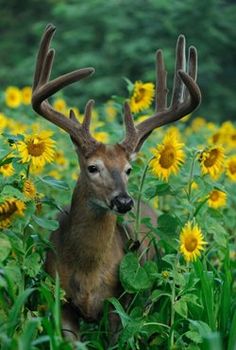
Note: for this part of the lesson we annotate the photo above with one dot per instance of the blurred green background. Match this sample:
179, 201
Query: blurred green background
119, 38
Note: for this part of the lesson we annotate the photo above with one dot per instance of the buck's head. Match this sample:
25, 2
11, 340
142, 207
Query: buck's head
105, 168
105, 173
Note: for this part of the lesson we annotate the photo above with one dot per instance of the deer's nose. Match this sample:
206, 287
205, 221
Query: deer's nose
122, 203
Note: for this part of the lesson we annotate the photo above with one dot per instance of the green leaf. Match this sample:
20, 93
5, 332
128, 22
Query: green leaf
32, 264
26, 338
219, 233
157, 294
163, 189
181, 308
167, 224
232, 333
132, 275
130, 85
124, 317
10, 191
6, 161
51, 225
127, 335
15, 311
158, 190
61, 185
194, 336
202, 327
13, 138
151, 268
5, 247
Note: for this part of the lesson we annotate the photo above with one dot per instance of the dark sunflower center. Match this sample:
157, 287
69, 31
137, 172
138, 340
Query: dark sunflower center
232, 168
211, 158
214, 196
7, 209
191, 244
12, 97
233, 137
36, 147
6, 166
216, 137
140, 95
167, 158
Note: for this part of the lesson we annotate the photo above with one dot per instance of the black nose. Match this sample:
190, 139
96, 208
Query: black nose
122, 203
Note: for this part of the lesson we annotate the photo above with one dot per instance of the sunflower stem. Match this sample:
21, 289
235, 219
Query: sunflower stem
138, 216
172, 315
191, 176
28, 171
6, 156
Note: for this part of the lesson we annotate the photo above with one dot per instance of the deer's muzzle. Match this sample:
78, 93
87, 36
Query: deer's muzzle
122, 203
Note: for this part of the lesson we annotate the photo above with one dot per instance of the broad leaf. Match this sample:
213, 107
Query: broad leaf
132, 275
45, 223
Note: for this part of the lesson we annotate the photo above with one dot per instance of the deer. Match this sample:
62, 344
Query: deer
89, 244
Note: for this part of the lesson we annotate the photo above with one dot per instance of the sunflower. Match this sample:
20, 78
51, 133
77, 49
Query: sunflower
55, 173
191, 241
167, 157
141, 118
212, 161
60, 158
231, 168
9, 209
26, 94
216, 138
7, 169
232, 140
194, 185
143, 94
60, 105
174, 132
198, 123
110, 111
217, 199
37, 149
3, 122
101, 136
16, 127
29, 189
13, 97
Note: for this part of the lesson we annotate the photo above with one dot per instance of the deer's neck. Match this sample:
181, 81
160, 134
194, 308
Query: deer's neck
91, 232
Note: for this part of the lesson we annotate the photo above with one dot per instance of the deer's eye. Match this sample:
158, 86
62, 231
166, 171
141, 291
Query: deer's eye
93, 169
128, 171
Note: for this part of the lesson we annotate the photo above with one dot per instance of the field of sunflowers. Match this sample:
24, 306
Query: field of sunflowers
183, 299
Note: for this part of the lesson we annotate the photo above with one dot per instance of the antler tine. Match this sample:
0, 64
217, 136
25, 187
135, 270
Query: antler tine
42, 53
186, 95
53, 86
43, 89
180, 65
47, 67
131, 133
193, 102
73, 117
192, 62
161, 88
88, 115
192, 67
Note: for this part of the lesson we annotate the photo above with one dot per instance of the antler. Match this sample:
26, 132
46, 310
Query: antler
186, 97
43, 89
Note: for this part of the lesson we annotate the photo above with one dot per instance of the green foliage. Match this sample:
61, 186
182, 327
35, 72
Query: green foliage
119, 39
170, 303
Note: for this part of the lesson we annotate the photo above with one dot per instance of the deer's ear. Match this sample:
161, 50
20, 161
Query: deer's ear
133, 156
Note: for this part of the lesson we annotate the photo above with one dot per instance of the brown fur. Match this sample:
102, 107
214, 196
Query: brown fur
89, 244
